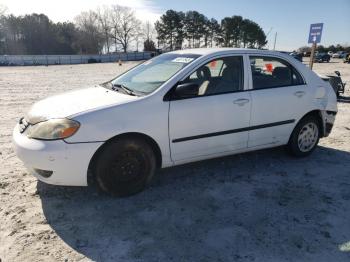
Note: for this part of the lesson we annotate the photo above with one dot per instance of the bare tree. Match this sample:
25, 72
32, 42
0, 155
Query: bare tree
125, 26
144, 32
149, 31
149, 35
139, 36
2, 29
3, 10
105, 24
91, 40
115, 18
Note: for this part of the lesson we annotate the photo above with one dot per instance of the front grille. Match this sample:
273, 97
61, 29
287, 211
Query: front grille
23, 124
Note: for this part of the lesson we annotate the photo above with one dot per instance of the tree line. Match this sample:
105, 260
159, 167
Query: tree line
104, 30
192, 29
115, 28
325, 49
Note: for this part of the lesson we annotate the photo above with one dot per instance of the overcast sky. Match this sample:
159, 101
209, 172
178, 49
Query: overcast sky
290, 19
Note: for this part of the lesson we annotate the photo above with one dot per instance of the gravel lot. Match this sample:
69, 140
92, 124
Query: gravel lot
261, 206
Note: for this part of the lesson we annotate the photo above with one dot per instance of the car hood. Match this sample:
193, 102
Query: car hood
71, 103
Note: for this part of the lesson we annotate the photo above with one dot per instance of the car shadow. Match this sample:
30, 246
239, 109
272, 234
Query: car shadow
259, 206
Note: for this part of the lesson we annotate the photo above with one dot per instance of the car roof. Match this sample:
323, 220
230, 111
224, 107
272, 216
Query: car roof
224, 50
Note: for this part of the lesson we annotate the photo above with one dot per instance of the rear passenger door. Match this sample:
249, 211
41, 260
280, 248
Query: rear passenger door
279, 97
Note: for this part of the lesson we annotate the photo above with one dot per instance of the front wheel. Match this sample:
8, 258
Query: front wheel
124, 167
305, 137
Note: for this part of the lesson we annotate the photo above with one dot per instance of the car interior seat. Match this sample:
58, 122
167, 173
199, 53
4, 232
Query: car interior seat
282, 76
230, 80
204, 76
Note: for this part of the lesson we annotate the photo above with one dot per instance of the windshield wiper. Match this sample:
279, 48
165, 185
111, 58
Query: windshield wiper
125, 89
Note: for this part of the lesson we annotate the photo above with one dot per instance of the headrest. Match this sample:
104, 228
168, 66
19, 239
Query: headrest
281, 72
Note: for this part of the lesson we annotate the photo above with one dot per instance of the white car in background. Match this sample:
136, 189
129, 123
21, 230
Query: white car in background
176, 108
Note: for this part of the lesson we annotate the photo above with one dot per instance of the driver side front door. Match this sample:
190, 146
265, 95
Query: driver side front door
216, 120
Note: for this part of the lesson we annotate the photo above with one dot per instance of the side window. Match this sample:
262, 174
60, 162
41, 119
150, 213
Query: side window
269, 72
216, 67
222, 75
297, 78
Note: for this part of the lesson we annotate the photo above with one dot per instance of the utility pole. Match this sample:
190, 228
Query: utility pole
274, 43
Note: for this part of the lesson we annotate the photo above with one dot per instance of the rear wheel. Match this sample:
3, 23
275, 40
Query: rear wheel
305, 137
125, 167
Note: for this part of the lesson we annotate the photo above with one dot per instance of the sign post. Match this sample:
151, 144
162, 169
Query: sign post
314, 38
312, 55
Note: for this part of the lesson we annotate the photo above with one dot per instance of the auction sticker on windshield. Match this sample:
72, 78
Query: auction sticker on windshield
184, 60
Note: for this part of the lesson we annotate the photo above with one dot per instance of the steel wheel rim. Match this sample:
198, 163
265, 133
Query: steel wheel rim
307, 137
127, 167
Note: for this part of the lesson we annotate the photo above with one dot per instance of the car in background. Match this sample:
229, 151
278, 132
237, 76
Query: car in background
176, 108
322, 57
330, 53
297, 56
343, 55
339, 54
347, 59
336, 82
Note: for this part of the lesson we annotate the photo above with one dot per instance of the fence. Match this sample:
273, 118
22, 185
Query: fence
7, 60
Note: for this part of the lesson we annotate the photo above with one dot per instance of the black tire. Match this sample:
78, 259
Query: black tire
125, 167
294, 146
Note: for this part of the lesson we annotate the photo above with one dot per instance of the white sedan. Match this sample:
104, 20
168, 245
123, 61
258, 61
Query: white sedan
176, 108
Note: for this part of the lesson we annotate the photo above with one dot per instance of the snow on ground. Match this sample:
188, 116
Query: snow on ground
261, 206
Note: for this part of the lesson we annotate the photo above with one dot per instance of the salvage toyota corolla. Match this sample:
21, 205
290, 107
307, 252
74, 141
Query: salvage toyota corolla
176, 108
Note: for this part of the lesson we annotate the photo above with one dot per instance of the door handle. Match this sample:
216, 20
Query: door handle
299, 93
241, 101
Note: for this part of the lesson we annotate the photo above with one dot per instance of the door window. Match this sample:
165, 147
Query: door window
269, 72
222, 75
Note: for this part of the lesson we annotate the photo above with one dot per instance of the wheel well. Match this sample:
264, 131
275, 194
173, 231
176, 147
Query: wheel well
318, 115
146, 138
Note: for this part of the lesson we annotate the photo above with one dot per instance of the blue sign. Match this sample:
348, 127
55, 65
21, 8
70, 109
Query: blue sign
315, 33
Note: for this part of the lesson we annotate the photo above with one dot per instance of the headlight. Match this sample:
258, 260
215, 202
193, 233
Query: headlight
53, 129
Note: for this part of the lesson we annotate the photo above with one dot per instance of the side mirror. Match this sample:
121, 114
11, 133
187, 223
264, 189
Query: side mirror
337, 73
186, 90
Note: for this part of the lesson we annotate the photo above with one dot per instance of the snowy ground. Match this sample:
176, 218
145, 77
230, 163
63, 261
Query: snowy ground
262, 206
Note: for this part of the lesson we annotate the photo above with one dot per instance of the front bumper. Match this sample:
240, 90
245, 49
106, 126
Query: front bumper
68, 162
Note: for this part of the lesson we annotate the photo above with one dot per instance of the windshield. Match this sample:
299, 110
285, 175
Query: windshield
150, 75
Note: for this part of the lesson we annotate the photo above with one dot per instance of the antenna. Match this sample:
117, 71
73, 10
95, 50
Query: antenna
269, 32
274, 44
268, 46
